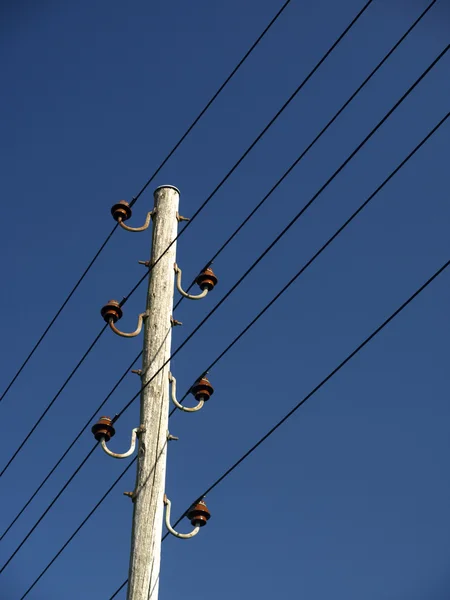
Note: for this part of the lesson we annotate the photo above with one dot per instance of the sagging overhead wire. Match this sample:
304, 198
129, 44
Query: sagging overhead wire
225, 244
80, 526
324, 246
214, 97
163, 163
319, 385
293, 220
264, 310
66, 452
50, 404
306, 398
77, 437
119, 589
316, 139
56, 396
257, 139
216, 189
288, 227
74, 474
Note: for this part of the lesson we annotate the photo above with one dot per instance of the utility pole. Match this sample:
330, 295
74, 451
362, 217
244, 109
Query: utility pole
143, 578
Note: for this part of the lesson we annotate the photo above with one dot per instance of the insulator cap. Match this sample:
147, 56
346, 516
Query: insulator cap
198, 514
202, 390
121, 210
103, 428
206, 279
112, 310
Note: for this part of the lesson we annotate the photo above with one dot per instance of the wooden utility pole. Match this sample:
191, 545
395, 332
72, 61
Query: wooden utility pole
143, 578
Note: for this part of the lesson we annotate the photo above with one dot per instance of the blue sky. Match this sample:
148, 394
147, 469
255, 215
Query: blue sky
350, 498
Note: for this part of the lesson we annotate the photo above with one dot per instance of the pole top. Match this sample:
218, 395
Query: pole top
161, 187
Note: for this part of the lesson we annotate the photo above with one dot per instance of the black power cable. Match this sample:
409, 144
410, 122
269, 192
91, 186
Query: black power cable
174, 149
216, 189
253, 144
317, 138
77, 470
119, 589
66, 452
227, 242
322, 248
319, 386
262, 312
405, 95
53, 400
80, 526
305, 399
293, 221
194, 123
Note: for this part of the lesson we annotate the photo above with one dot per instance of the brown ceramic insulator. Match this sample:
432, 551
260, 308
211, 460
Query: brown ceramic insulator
202, 390
206, 280
121, 210
103, 428
111, 310
198, 514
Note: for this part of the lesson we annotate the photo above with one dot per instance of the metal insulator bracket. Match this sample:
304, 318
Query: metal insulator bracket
137, 229
182, 536
173, 391
134, 333
134, 435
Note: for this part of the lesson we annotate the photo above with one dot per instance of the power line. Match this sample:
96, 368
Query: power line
65, 453
80, 526
53, 400
80, 466
315, 140
59, 311
307, 397
77, 437
283, 290
321, 384
267, 435
323, 247
216, 189
119, 589
174, 149
292, 222
297, 216
58, 393
253, 144
197, 119
319, 135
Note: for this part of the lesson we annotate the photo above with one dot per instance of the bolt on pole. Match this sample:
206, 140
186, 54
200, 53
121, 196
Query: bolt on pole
148, 496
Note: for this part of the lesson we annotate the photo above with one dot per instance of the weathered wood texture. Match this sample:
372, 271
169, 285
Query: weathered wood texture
145, 557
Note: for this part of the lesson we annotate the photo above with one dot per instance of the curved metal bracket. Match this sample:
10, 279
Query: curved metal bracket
134, 434
173, 390
182, 292
182, 536
136, 229
137, 331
